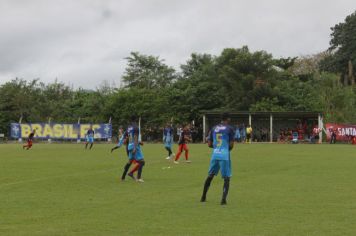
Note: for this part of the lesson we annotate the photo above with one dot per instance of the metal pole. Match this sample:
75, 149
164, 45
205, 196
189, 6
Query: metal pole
270, 128
204, 129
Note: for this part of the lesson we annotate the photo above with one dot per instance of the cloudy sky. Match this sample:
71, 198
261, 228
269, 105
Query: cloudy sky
84, 42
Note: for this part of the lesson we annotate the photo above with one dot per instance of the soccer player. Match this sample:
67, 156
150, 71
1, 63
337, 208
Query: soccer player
184, 138
221, 140
90, 137
168, 140
29, 140
135, 153
121, 137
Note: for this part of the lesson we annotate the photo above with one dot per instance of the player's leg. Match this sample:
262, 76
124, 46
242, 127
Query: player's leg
126, 169
169, 150
25, 146
86, 144
116, 147
29, 145
180, 149
186, 152
139, 172
128, 164
91, 140
133, 170
213, 170
226, 174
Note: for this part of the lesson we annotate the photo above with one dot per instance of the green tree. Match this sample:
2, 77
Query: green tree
343, 48
147, 72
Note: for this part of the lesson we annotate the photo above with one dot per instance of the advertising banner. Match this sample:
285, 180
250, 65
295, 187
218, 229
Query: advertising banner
344, 132
60, 130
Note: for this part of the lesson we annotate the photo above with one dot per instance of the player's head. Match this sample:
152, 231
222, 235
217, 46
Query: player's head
225, 117
133, 118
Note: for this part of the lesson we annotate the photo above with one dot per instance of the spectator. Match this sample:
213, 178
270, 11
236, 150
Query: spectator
249, 134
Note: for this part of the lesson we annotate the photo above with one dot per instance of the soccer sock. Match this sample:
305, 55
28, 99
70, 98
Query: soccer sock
126, 169
186, 154
86, 145
91, 145
226, 188
206, 186
139, 172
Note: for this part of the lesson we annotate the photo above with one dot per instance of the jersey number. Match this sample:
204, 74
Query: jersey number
218, 138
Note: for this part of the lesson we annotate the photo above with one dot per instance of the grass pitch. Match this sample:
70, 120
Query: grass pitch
61, 189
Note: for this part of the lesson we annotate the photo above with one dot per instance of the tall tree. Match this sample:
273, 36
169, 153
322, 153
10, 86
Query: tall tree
343, 48
149, 72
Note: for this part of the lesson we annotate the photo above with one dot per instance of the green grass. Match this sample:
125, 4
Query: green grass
275, 190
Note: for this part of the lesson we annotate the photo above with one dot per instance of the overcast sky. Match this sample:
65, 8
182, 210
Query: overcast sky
84, 42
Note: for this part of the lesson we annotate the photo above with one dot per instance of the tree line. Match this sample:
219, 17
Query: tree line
235, 80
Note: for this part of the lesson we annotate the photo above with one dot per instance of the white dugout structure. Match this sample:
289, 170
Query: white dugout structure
272, 121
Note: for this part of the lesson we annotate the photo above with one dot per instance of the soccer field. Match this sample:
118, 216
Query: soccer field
60, 189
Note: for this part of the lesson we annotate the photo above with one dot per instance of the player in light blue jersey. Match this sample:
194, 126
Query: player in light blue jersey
90, 137
221, 140
168, 140
134, 149
121, 137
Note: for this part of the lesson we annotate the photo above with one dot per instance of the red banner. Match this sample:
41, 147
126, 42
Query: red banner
344, 132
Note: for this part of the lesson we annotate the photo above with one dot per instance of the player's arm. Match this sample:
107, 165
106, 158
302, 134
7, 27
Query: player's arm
210, 139
231, 139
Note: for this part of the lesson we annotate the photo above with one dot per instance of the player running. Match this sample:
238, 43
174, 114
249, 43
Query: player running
135, 153
29, 140
168, 140
122, 135
221, 139
184, 138
90, 137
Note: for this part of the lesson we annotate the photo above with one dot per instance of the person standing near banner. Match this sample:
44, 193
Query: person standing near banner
90, 137
29, 140
332, 136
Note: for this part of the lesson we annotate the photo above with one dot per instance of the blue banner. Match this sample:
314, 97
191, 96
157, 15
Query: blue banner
60, 130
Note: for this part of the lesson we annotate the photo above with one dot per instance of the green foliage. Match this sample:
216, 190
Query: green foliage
237, 79
147, 72
343, 46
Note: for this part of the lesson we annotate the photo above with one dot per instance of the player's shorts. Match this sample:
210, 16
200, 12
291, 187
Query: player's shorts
224, 165
90, 139
137, 156
168, 145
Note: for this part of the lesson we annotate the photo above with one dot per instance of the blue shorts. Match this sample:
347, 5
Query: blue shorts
224, 165
90, 139
137, 156
168, 145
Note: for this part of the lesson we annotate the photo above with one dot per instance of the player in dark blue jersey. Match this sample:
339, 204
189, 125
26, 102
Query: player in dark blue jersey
221, 140
90, 137
134, 148
168, 140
